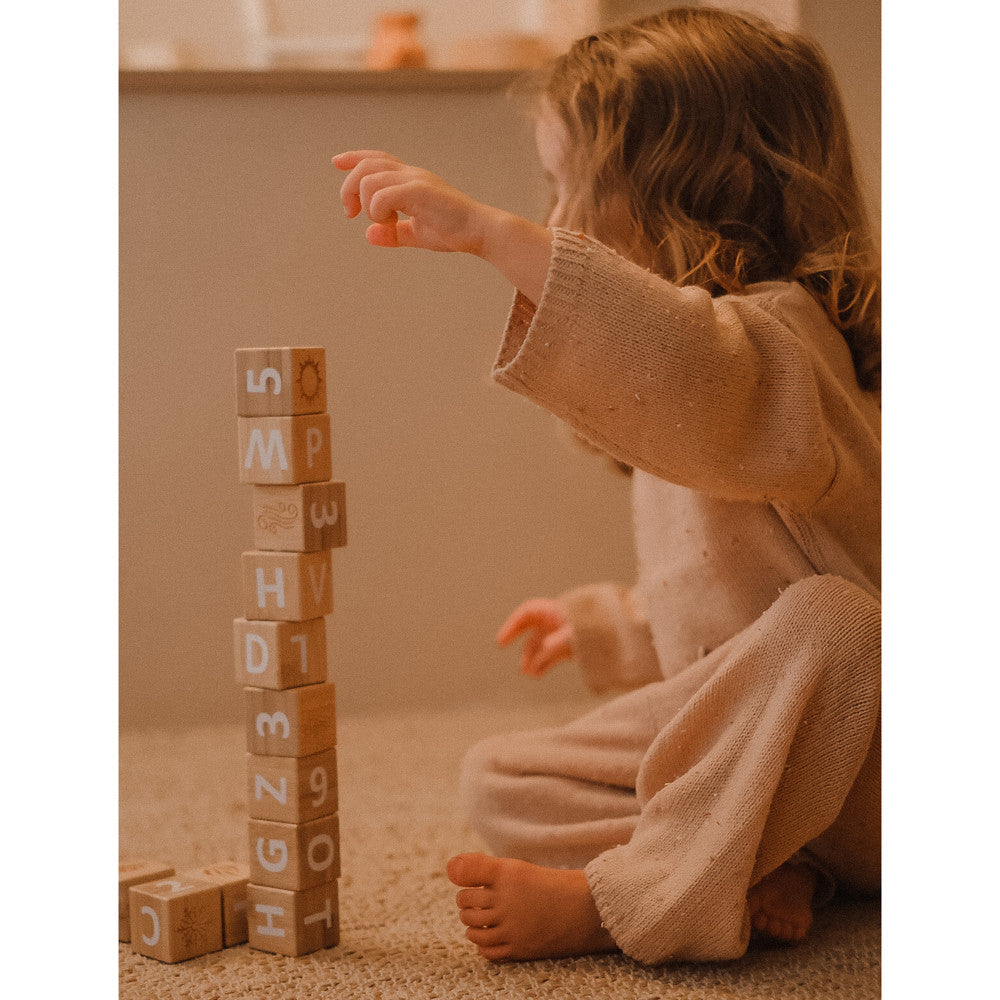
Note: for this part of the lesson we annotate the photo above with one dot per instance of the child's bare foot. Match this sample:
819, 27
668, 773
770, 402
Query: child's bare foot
781, 903
515, 910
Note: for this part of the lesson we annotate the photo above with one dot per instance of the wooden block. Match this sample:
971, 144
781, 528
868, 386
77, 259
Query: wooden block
135, 871
297, 722
300, 518
176, 919
285, 449
280, 655
294, 855
279, 381
292, 789
232, 878
293, 923
287, 586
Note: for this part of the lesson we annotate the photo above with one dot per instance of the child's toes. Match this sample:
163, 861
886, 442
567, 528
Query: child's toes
486, 937
472, 870
477, 917
475, 899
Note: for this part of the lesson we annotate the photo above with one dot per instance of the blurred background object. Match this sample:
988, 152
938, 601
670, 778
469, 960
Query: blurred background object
396, 42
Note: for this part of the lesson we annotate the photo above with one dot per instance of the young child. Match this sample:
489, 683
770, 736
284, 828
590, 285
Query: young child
705, 310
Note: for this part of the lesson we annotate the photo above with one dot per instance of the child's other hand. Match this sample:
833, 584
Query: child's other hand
440, 217
550, 634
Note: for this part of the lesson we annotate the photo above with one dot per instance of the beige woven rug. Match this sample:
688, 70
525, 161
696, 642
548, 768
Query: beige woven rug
183, 801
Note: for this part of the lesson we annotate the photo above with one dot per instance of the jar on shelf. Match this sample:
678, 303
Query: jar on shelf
396, 42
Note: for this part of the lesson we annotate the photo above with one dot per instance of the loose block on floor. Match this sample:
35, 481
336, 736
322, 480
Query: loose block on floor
232, 878
273, 381
293, 923
287, 586
300, 518
296, 722
135, 871
174, 919
273, 654
292, 789
285, 449
294, 855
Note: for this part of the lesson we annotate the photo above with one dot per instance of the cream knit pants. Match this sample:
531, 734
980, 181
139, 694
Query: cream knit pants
679, 796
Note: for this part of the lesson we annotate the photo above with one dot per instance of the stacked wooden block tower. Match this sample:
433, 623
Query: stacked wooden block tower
286, 901
280, 645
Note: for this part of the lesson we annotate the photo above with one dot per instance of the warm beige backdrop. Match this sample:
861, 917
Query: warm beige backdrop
462, 498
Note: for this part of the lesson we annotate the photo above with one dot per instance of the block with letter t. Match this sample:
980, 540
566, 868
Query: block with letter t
290, 922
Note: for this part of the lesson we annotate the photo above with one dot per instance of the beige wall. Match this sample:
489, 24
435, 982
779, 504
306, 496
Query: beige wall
462, 498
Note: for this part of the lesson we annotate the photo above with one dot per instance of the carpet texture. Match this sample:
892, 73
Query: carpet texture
183, 800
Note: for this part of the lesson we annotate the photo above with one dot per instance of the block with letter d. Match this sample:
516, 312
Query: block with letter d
293, 923
287, 586
279, 381
285, 449
275, 654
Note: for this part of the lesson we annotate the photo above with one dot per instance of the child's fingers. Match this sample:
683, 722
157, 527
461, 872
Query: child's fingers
556, 646
351, 194
539, 612
351, 158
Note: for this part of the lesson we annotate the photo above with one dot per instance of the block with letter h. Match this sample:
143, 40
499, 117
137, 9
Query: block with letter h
299, 516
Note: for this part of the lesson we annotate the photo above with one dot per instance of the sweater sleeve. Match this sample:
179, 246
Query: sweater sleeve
613, 643
718, 395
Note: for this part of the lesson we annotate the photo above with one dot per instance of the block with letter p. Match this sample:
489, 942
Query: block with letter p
285, 449
297, 722
278, 381
274, 654
287, 586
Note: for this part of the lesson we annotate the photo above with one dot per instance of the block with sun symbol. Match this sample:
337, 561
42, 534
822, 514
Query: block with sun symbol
176, 919
280, 381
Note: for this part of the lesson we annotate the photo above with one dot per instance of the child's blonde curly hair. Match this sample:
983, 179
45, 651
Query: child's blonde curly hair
713, 149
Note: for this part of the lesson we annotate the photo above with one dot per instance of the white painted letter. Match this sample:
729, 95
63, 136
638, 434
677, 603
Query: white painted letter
326, 914
261, 784
319, 588
275, 443
277, 849
323, 517
277, 588
260, 385
150, 912
268, 929
278, 719
314, 441
301, 641
255, 641
324, 840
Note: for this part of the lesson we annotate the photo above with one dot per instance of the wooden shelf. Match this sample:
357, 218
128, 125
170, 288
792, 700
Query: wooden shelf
289, 81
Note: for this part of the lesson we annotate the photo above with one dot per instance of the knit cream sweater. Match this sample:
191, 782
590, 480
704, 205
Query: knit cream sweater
757, 455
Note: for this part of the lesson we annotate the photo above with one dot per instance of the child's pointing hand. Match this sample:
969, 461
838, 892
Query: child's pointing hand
440, 217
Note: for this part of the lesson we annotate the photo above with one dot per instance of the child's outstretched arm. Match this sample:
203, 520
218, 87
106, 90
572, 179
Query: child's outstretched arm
441, 218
